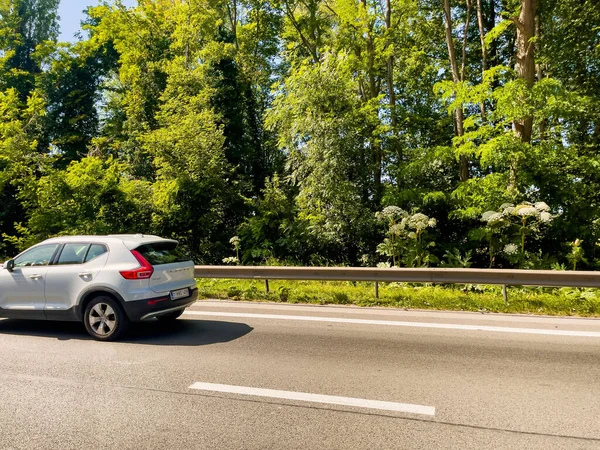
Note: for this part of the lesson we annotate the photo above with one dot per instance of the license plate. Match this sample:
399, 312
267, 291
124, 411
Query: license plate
180, 293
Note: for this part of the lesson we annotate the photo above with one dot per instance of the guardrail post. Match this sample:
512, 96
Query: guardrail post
505, 293
377, 289
267, 286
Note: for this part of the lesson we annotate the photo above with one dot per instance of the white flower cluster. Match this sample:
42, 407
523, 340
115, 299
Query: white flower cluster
398, 228
491, 217
527, 211
418, 221
390, 212
511, 249
539, 210
506, 209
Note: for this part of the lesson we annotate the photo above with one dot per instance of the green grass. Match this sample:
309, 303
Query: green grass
563, 301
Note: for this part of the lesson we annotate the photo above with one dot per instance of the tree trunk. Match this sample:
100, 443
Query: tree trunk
490, 22
312, 49
394, 147
390, 68
480, 24
464, 46
459, 116
539, 76
233, 19
373, 93
525, 64
450, 42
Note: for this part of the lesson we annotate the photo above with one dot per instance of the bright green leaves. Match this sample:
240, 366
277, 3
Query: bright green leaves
92, 196
322, 125
497, 31
28, 32
489, 140
306, 29
174, 117
20, 126
187, 154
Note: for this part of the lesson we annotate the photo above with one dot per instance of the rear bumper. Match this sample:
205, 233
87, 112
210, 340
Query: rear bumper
154, 307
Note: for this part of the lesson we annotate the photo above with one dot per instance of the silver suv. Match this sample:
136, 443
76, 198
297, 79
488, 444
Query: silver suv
104, 281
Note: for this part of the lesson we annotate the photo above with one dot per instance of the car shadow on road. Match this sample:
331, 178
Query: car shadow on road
188, 332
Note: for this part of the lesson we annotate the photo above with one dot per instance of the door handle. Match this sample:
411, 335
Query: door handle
35, 277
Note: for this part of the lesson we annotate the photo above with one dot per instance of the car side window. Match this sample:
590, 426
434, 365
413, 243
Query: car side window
37, 256
95, 251
72, 254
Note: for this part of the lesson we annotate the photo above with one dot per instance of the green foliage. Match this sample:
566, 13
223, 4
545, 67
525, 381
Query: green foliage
455, 258
318, 132
72, 87
507, 228
28, 31
20, 161
90, 197
407, 239
321, 125
272, 233
576, 255
484, 299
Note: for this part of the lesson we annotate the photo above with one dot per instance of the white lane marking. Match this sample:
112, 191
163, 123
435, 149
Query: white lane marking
317, 398
444, 326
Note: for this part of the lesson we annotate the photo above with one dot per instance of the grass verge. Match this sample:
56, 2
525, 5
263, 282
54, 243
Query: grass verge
481, 298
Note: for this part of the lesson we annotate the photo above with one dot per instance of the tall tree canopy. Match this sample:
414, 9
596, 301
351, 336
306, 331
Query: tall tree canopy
319, 131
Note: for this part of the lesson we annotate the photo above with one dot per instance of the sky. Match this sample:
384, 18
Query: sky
71, 14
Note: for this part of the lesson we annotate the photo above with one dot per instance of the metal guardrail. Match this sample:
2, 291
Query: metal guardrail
504, 277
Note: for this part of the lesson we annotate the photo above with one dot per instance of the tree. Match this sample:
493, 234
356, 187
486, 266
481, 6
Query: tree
27, 27
458, 76
327, 161
20, 161
28, 30
72, 86
91, 196
291, 123
525, 62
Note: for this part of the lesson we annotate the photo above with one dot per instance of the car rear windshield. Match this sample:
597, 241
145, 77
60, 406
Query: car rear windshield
159, 253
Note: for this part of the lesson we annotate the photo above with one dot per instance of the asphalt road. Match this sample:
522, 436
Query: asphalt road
476, 381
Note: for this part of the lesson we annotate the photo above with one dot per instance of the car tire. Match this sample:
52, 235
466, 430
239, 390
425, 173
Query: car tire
104, 319
171, 317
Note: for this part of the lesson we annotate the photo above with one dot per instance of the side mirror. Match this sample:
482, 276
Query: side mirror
10, 265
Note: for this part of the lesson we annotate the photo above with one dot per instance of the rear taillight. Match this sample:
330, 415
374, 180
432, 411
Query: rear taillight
143, 272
